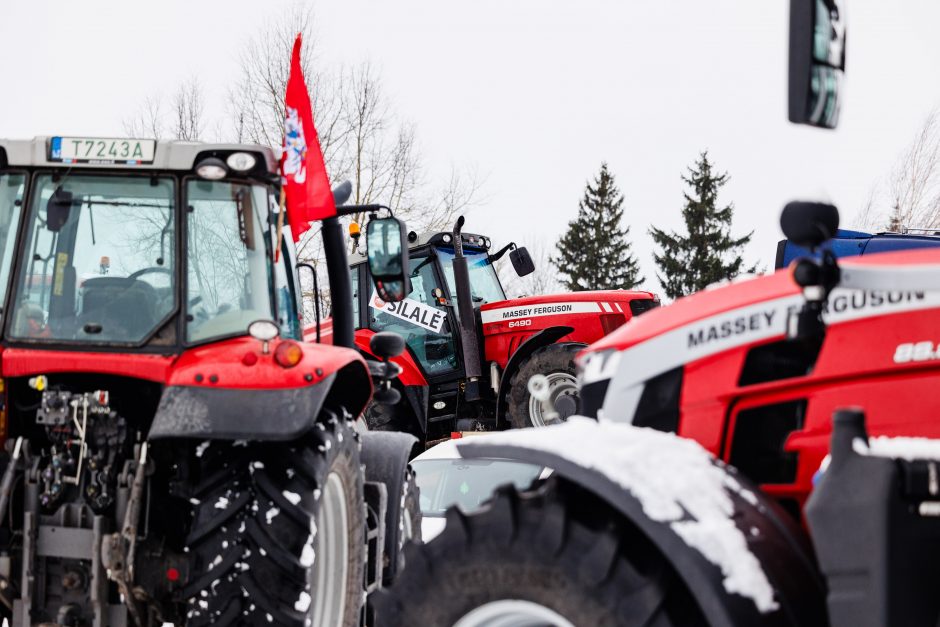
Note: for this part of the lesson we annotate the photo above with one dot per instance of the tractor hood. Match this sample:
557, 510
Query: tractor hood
614, 371
588, 316
531, 307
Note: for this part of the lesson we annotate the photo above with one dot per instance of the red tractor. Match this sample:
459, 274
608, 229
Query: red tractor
722, 473
175, 452
470, 351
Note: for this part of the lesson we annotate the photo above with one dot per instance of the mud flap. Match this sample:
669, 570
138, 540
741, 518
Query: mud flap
234, 414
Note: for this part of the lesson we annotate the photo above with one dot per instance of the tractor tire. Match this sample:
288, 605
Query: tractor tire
408, 528
547, 556
397, 417
278, 532
555, 361
386, 462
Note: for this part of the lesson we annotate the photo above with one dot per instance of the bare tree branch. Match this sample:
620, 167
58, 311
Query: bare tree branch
147, 122
188, 111
186, 118
543, 281
909, 198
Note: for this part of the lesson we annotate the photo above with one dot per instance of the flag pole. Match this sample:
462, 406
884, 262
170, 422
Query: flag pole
280, 225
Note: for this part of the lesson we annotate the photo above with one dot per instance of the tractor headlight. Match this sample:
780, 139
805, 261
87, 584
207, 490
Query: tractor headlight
241, 161
211, 169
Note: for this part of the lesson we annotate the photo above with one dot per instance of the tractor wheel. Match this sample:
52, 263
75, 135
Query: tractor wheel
278, 532
556, 362
549, 556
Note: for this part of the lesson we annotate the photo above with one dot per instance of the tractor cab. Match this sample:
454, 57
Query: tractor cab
426, 318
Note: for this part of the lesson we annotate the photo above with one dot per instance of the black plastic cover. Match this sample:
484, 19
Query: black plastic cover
759, 436
659, 404
235, 414
642, 305
880, 554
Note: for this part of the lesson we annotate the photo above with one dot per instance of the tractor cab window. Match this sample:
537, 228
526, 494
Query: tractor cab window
100, 262
419, 319
484, 284
228, 254
289, 305
12, 186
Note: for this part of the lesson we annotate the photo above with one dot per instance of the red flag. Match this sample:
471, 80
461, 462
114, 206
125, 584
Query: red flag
303, 173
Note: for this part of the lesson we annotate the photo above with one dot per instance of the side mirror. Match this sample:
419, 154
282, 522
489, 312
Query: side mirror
387, 252
809, 224
817, 61
58, 209
341, 193
521, 261
386, 345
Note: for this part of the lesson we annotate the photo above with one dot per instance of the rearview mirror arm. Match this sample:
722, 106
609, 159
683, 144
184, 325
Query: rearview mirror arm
349, 210
502, 251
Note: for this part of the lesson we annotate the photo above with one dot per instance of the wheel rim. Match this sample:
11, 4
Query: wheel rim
512, 613
331, 555
559, 384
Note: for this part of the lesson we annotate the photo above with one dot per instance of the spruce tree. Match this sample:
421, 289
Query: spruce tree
594, 253
708, 253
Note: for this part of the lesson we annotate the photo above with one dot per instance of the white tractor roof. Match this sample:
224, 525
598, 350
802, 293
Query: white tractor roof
168, 155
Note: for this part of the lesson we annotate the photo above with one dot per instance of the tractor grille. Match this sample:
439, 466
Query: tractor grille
759, 436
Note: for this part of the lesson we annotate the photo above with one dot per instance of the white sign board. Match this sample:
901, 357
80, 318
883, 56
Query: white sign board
412, 311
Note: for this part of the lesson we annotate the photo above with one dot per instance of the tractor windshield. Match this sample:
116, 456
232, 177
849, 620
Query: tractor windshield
228, 249
484, 284
99, 263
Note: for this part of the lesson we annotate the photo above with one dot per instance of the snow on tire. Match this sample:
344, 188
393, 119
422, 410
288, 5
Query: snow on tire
257, 542
551, 555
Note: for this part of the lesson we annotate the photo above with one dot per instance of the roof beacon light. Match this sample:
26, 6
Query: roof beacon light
241, 161
211, 169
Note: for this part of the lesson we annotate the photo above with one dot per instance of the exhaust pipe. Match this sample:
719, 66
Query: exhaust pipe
466, 317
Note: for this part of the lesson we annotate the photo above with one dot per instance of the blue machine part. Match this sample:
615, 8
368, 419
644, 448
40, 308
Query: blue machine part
848, 243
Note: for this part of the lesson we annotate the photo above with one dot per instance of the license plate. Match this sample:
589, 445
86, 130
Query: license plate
101, 150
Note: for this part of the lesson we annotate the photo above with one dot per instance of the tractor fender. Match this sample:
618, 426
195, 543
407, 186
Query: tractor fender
281, 414
525, 350
766, 531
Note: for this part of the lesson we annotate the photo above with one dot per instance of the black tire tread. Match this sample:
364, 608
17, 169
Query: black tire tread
545, 545
244, 518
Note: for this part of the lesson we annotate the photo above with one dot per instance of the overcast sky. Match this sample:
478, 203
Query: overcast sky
533, 94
